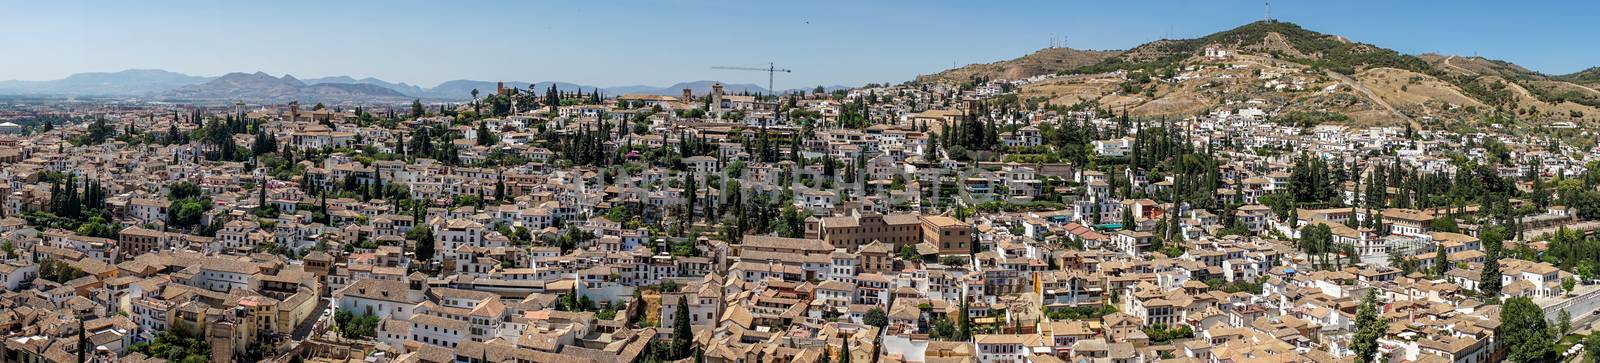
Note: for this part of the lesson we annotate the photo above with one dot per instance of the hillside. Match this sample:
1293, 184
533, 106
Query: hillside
1521, 89
1044, 61
1278, 40
1281, 66
1590, 77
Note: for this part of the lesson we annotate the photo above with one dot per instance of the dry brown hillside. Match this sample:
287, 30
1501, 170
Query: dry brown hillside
1476, 66
1417, 94
1044, 61
1588, 77
1285, 68
1530, 94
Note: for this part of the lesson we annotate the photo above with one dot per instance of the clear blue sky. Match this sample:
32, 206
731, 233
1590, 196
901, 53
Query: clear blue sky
610, 43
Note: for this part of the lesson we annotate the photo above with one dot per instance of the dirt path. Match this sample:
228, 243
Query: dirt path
1574, 84
1463, 70
1373, 96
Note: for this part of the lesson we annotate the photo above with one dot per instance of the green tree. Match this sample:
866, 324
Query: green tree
791, 221
908, 253
422, 236
83, 343
1406, 266
485, 136
500, 189
941, 328
1489, 280
965, 331
844, 351
1493, 239
1523, 330
1587, 270
185, 212
1441, 262
875, 317
1563, 323
351, 326
682, 337
1317, 240
1369, 327
1443, 224
1593, 340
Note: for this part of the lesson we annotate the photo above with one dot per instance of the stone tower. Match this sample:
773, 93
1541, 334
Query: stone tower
716, 100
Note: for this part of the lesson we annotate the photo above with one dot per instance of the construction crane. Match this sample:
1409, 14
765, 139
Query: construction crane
771, 70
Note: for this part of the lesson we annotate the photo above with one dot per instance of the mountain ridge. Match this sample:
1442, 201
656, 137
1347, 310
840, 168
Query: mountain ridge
1304, 71
256, 87
264, 87
1043, 61
124, 82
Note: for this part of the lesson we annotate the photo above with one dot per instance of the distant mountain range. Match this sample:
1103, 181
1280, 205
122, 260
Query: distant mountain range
128, 82
262, 87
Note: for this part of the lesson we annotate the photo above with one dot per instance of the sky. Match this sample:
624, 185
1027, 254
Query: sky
660, 42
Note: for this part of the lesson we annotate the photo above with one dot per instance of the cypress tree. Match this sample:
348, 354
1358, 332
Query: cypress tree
682, 337
844, 352
261, 196
83, 343
1441, 263
327, 216
500, 188
1489, 280
689, 190
964, 332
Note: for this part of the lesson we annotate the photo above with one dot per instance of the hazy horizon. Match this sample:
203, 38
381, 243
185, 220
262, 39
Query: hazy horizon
657, 43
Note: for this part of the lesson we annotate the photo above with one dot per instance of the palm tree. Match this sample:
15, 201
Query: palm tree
474, 94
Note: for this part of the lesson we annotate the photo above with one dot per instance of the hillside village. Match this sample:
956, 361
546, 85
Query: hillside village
1229, 206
